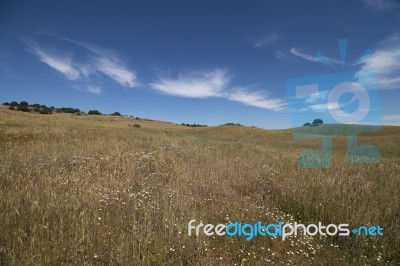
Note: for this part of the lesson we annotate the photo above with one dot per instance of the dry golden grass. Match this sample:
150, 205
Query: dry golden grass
90, 190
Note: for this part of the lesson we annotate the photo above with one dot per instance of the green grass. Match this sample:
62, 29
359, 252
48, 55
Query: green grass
81, 190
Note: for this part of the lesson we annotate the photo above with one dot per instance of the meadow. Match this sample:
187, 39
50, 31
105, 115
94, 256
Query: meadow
94, 190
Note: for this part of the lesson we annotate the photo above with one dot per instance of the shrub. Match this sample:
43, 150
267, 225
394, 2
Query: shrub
24, 103
68, 110
317, 122
136, 125
193, 125
116, 114
233, 124
11, 108
307, 125
13, 103
94, 112
6, 103
45, 111
23, 108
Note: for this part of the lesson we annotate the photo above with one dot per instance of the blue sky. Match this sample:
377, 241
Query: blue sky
206, 62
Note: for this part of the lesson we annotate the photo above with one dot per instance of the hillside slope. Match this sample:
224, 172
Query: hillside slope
92, 190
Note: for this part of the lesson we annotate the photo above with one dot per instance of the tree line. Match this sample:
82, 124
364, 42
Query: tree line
24, 106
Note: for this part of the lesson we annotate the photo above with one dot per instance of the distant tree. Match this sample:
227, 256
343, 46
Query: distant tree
52, 107
58, 110
76, 110
45, 111
68, 110
94, 112
14, 103
43, 106
23, 108
36, 109
116, 114
307, 125
317, 122
36, 105
6, 103
24, 103
233, 124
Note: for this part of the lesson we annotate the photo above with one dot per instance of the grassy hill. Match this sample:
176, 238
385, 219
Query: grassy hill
93, 190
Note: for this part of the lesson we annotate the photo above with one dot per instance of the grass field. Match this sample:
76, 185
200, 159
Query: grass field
92, 190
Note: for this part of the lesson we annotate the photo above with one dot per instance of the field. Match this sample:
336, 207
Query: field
93, 190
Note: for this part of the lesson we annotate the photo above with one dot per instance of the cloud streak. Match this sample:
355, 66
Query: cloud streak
313, 58
385, 63
100, 62
381, 4
215, 83
391, 120
194, 85
266, 40
59, 62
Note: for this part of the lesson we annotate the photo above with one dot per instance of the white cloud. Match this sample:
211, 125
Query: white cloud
256, 99
94, 89
391, 120
266, 40
101, 61
385, 63
317, 97
194, 85
313, 58
214, 83
307, 57
108, 63
381, 4
116, 71
59, 62
280, 55
319, 108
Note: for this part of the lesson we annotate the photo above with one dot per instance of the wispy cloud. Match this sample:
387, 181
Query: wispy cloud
265, 40
314, 58
385, 62
107, 62
95, 62
307, 57
391, 120
382, 4
116, 71
215, 83
93, 89
63, 63
194, 85
280, 55
317, 97
256, 99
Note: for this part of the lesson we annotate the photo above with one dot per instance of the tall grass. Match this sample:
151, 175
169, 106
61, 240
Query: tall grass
94, 191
